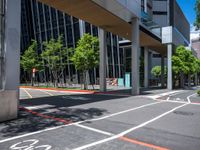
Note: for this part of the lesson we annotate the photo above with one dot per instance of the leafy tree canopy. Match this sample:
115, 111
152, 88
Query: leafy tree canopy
156, 71
30, 59
86, 54
54, 53
184, 61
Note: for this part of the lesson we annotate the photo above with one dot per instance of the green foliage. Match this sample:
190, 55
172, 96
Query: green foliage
86, 54
30, 59
184, 62
198, 92
156, 71
55, 55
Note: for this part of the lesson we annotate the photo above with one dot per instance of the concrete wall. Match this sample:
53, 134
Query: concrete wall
8, 104
9, 94
196, 46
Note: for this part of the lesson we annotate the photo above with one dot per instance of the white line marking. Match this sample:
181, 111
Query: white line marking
163, 94
30, 96
129, 130
44, 106
180, 102
125, 111
188, 98
46, 92
173, 101
95, 130
101, 118
168, 98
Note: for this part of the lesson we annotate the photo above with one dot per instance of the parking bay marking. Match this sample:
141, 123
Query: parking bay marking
129, 130
101, 118
30, 96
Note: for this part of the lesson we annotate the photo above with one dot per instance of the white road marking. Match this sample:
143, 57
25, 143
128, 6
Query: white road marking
93, 129
54, 128
180, 102
46, 92
29, 145
30, 96
125, 111
129, 130
188, 98
164, 94
45, 106
168, 98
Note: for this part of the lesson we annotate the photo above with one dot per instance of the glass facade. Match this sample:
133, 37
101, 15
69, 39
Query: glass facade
43, 23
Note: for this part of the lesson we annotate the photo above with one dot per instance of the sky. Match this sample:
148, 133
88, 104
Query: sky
187, 7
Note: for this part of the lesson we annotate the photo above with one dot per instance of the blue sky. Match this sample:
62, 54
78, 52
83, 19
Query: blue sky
188, 8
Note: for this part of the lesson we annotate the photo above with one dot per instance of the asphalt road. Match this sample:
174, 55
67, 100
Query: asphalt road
53, 120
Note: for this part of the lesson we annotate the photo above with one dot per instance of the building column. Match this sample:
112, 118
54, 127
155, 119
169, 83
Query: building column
135, 57
11, 51
162, 71
146, 67
169, 67
150, 65
102, 66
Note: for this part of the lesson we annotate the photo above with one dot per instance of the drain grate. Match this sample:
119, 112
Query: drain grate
183, 113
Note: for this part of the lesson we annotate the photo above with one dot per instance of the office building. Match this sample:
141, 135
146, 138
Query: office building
42, 22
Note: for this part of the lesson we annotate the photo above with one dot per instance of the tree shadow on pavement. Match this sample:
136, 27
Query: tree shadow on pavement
28, 122
55, 107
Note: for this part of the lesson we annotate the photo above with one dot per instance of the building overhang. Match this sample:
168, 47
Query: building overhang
110, 18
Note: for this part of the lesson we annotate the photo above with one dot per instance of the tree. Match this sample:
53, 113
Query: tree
86, 55
30, 59
55, 55
183, 64
197, 9
156, 71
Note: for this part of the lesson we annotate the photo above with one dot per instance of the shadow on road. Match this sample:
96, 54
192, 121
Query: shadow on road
57, 107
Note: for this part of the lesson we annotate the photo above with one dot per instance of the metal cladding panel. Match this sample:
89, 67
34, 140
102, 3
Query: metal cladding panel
124, 9
171, 35
167, 35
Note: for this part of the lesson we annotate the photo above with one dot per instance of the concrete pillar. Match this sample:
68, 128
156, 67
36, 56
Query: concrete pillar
102, 66
150, 64
135, 57
169, 67
11, 49
162, 71
146, 67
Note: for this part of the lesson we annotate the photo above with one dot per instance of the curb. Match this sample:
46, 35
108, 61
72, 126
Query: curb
61, 90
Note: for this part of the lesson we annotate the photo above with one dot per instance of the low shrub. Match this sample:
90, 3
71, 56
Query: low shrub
198, 92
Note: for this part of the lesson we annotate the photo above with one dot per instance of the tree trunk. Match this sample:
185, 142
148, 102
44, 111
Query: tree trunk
85, 80
32, 84
189, 80
182, 80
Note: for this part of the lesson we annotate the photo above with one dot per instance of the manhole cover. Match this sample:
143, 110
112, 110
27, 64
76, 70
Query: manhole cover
183, 113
